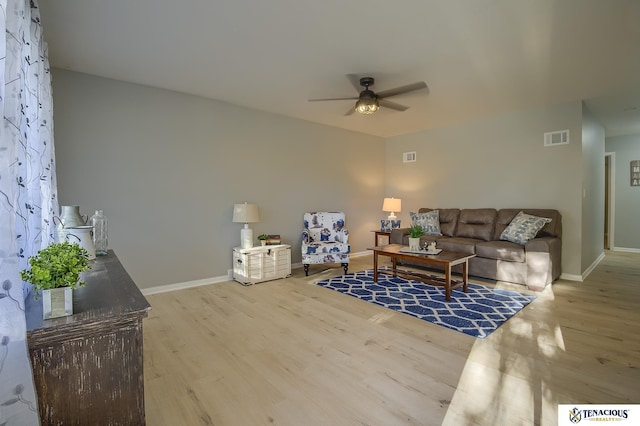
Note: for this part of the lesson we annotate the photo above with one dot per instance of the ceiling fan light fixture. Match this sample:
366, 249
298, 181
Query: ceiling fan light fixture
367, 106
368, 101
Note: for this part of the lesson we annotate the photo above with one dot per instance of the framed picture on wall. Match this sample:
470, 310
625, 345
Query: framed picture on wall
635, 173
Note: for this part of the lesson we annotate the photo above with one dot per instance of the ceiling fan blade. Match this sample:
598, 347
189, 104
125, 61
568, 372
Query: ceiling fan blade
352, 98
388, 104
402, 89
350, 110
355, 82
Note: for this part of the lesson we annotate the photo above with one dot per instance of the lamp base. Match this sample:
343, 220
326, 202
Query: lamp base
246, 237
392, 216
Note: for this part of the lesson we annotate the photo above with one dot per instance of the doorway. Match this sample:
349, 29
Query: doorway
609, 199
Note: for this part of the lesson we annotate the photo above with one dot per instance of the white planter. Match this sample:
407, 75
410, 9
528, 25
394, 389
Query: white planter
57, 302
414, 243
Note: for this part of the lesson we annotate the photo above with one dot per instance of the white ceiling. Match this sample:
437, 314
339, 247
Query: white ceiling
478, 57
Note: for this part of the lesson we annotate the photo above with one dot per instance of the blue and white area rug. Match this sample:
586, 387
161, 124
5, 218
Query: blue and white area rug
476, 313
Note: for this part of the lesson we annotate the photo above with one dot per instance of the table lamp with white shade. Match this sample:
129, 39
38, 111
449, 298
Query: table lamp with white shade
246, 213
392, 205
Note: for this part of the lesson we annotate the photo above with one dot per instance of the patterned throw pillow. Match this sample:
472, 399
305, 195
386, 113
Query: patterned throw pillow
430, 221
523, 227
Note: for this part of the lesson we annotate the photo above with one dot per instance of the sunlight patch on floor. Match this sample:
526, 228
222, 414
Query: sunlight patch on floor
381, 317
505, 379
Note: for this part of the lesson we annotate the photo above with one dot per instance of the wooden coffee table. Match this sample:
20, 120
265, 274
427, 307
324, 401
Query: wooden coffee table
445, 259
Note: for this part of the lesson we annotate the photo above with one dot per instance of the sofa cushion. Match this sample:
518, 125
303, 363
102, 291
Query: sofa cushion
551, 229
476, 223
501, 250
523, 227
448, 220
429, 221
460, 245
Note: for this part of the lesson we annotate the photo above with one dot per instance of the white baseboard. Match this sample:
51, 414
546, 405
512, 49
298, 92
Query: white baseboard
629, 250
182, 286
591, 267
220, 279
570, 277
229, 277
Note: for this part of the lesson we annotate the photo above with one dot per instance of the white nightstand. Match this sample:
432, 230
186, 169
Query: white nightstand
263, 263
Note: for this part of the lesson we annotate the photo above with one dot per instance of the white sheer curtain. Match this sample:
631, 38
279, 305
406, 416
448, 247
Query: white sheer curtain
28, 195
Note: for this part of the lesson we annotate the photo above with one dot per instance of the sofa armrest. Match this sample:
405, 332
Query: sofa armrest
397, 235
543, 261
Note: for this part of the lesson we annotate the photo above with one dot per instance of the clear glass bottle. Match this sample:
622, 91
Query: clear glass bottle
100, 240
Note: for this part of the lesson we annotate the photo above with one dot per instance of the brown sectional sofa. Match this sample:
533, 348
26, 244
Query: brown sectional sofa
535, 264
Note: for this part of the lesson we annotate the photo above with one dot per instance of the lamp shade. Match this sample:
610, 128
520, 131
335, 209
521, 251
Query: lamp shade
392, 205
245, 213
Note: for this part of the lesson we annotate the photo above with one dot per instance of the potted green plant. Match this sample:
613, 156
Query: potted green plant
415, 232
263, 239
55, 271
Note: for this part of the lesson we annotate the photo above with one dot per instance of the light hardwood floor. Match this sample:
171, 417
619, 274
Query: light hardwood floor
288, 352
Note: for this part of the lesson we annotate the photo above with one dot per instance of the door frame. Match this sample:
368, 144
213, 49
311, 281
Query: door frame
610, 193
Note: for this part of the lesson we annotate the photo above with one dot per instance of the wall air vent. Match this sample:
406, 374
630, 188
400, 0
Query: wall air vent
556, 138
409, 157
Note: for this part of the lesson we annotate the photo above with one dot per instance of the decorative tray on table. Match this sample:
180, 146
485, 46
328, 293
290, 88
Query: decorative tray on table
421, 251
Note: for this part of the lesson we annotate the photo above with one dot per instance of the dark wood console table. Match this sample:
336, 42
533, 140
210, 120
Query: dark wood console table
88, 368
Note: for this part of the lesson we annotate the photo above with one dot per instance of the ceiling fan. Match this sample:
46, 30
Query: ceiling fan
368, 101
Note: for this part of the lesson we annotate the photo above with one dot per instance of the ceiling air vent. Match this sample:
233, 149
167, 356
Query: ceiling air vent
409, 157
556, 138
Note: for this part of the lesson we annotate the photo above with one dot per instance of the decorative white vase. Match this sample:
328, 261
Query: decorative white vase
70, 216
414, 243
83, 236
57, 302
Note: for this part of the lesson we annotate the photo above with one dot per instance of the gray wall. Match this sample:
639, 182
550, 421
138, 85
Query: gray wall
167, 168
627, 197
593, 193
497, 162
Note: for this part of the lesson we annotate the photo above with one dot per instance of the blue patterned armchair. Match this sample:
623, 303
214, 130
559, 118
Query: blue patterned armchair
325, 240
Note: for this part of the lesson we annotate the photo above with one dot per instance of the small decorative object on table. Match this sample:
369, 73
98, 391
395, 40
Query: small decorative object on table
263, 239
70, 216
273, 240
415, 232
55, 271
100, 232
387, 225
